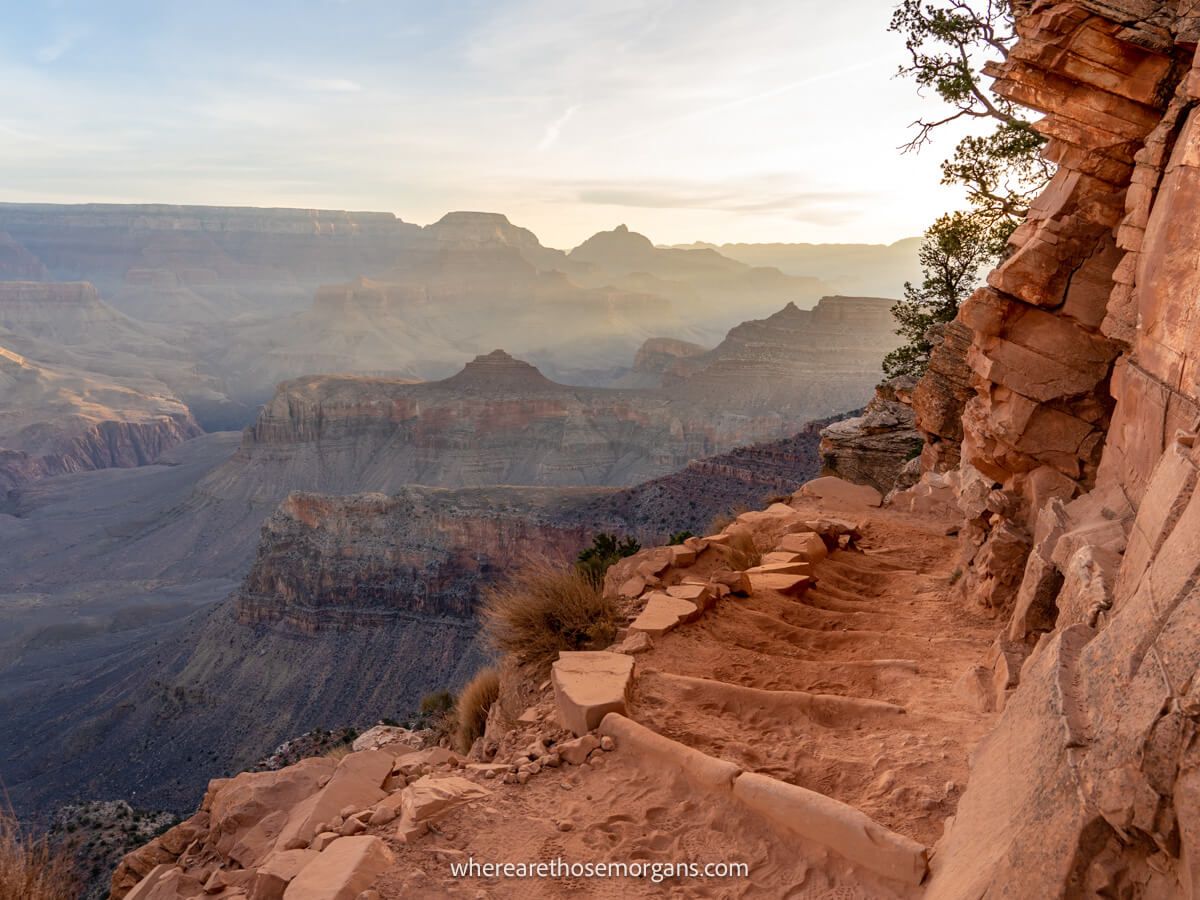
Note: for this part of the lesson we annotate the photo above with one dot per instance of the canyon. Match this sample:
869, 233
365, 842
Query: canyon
982, 687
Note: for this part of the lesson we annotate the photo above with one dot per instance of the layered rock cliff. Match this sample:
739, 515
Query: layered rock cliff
797, 362
55, 421
196, 263
880, 447
1079, 476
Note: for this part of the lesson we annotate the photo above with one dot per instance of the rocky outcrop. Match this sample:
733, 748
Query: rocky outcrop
55, 421
654, 358
1079, 476
880, 447
498, 421
329, 562
17, 263
940, 395
799, 363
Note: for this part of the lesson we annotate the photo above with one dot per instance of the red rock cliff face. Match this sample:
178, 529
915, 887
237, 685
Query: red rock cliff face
339, 562
1079, 477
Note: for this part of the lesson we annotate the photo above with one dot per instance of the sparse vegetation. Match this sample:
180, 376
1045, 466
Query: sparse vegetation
723, 520
743, 554
679, 537
543, 609
30, 868
606, 550
341, 751
437, 703
471, 710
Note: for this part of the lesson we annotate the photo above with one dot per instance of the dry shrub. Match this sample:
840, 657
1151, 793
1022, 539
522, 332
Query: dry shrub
338, 753
471, 711
542, 609
743, 554
721, 521
30, 868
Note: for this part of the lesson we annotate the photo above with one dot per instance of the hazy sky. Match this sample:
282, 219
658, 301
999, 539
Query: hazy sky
688, 120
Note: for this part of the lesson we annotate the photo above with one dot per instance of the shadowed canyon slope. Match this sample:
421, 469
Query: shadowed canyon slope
845, 723
386, 581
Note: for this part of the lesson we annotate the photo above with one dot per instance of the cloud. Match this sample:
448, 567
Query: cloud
761, 195
331, 85
63, 43
554, 129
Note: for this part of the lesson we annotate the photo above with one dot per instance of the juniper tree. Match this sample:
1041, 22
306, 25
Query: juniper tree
1001, 171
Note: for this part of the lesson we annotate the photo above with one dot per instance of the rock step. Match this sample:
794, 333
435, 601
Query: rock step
793, 810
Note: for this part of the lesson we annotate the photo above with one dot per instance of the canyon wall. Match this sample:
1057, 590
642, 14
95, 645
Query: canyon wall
803, 363
1079, 476
55, 421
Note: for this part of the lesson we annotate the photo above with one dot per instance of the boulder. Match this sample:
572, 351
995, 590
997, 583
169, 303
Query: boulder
431, 796
357, 782
589, 684
634, 642
737, 581
273, 876
342, 871
662, 613
807, 545
393, 737
791, 568
838, 493
575, 752
248, 813
781, 584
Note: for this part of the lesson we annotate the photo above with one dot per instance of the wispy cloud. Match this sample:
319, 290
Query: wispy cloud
333, 85
554, 129
64, 41
761, 195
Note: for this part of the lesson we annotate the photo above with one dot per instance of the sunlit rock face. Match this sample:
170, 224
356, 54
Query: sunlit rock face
803, 363
1079, 475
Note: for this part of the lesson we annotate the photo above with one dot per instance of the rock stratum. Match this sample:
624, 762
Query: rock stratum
355, 585
845, 711
57, 421
1078, 476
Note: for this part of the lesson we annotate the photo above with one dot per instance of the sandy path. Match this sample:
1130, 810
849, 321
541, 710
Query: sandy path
878, 626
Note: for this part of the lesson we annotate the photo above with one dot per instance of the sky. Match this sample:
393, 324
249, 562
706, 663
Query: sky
765, 120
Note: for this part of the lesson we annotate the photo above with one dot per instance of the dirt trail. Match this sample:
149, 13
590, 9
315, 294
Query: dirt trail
878, 629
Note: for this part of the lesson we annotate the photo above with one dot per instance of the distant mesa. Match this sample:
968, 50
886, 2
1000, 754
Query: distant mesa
499, 371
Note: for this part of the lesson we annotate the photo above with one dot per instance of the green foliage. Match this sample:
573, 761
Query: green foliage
606, 549
679, 537
948, 42
956, 249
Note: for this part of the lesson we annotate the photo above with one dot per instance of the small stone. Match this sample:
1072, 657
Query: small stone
351, 827
575, 751
522, 777
553, 760
323, 840
565, 826
348, 811
607, 744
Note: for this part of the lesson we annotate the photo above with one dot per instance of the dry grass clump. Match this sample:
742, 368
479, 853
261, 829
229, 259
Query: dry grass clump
30, 868
338, 753
543, 609
471, 710
721, 521
743, 554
